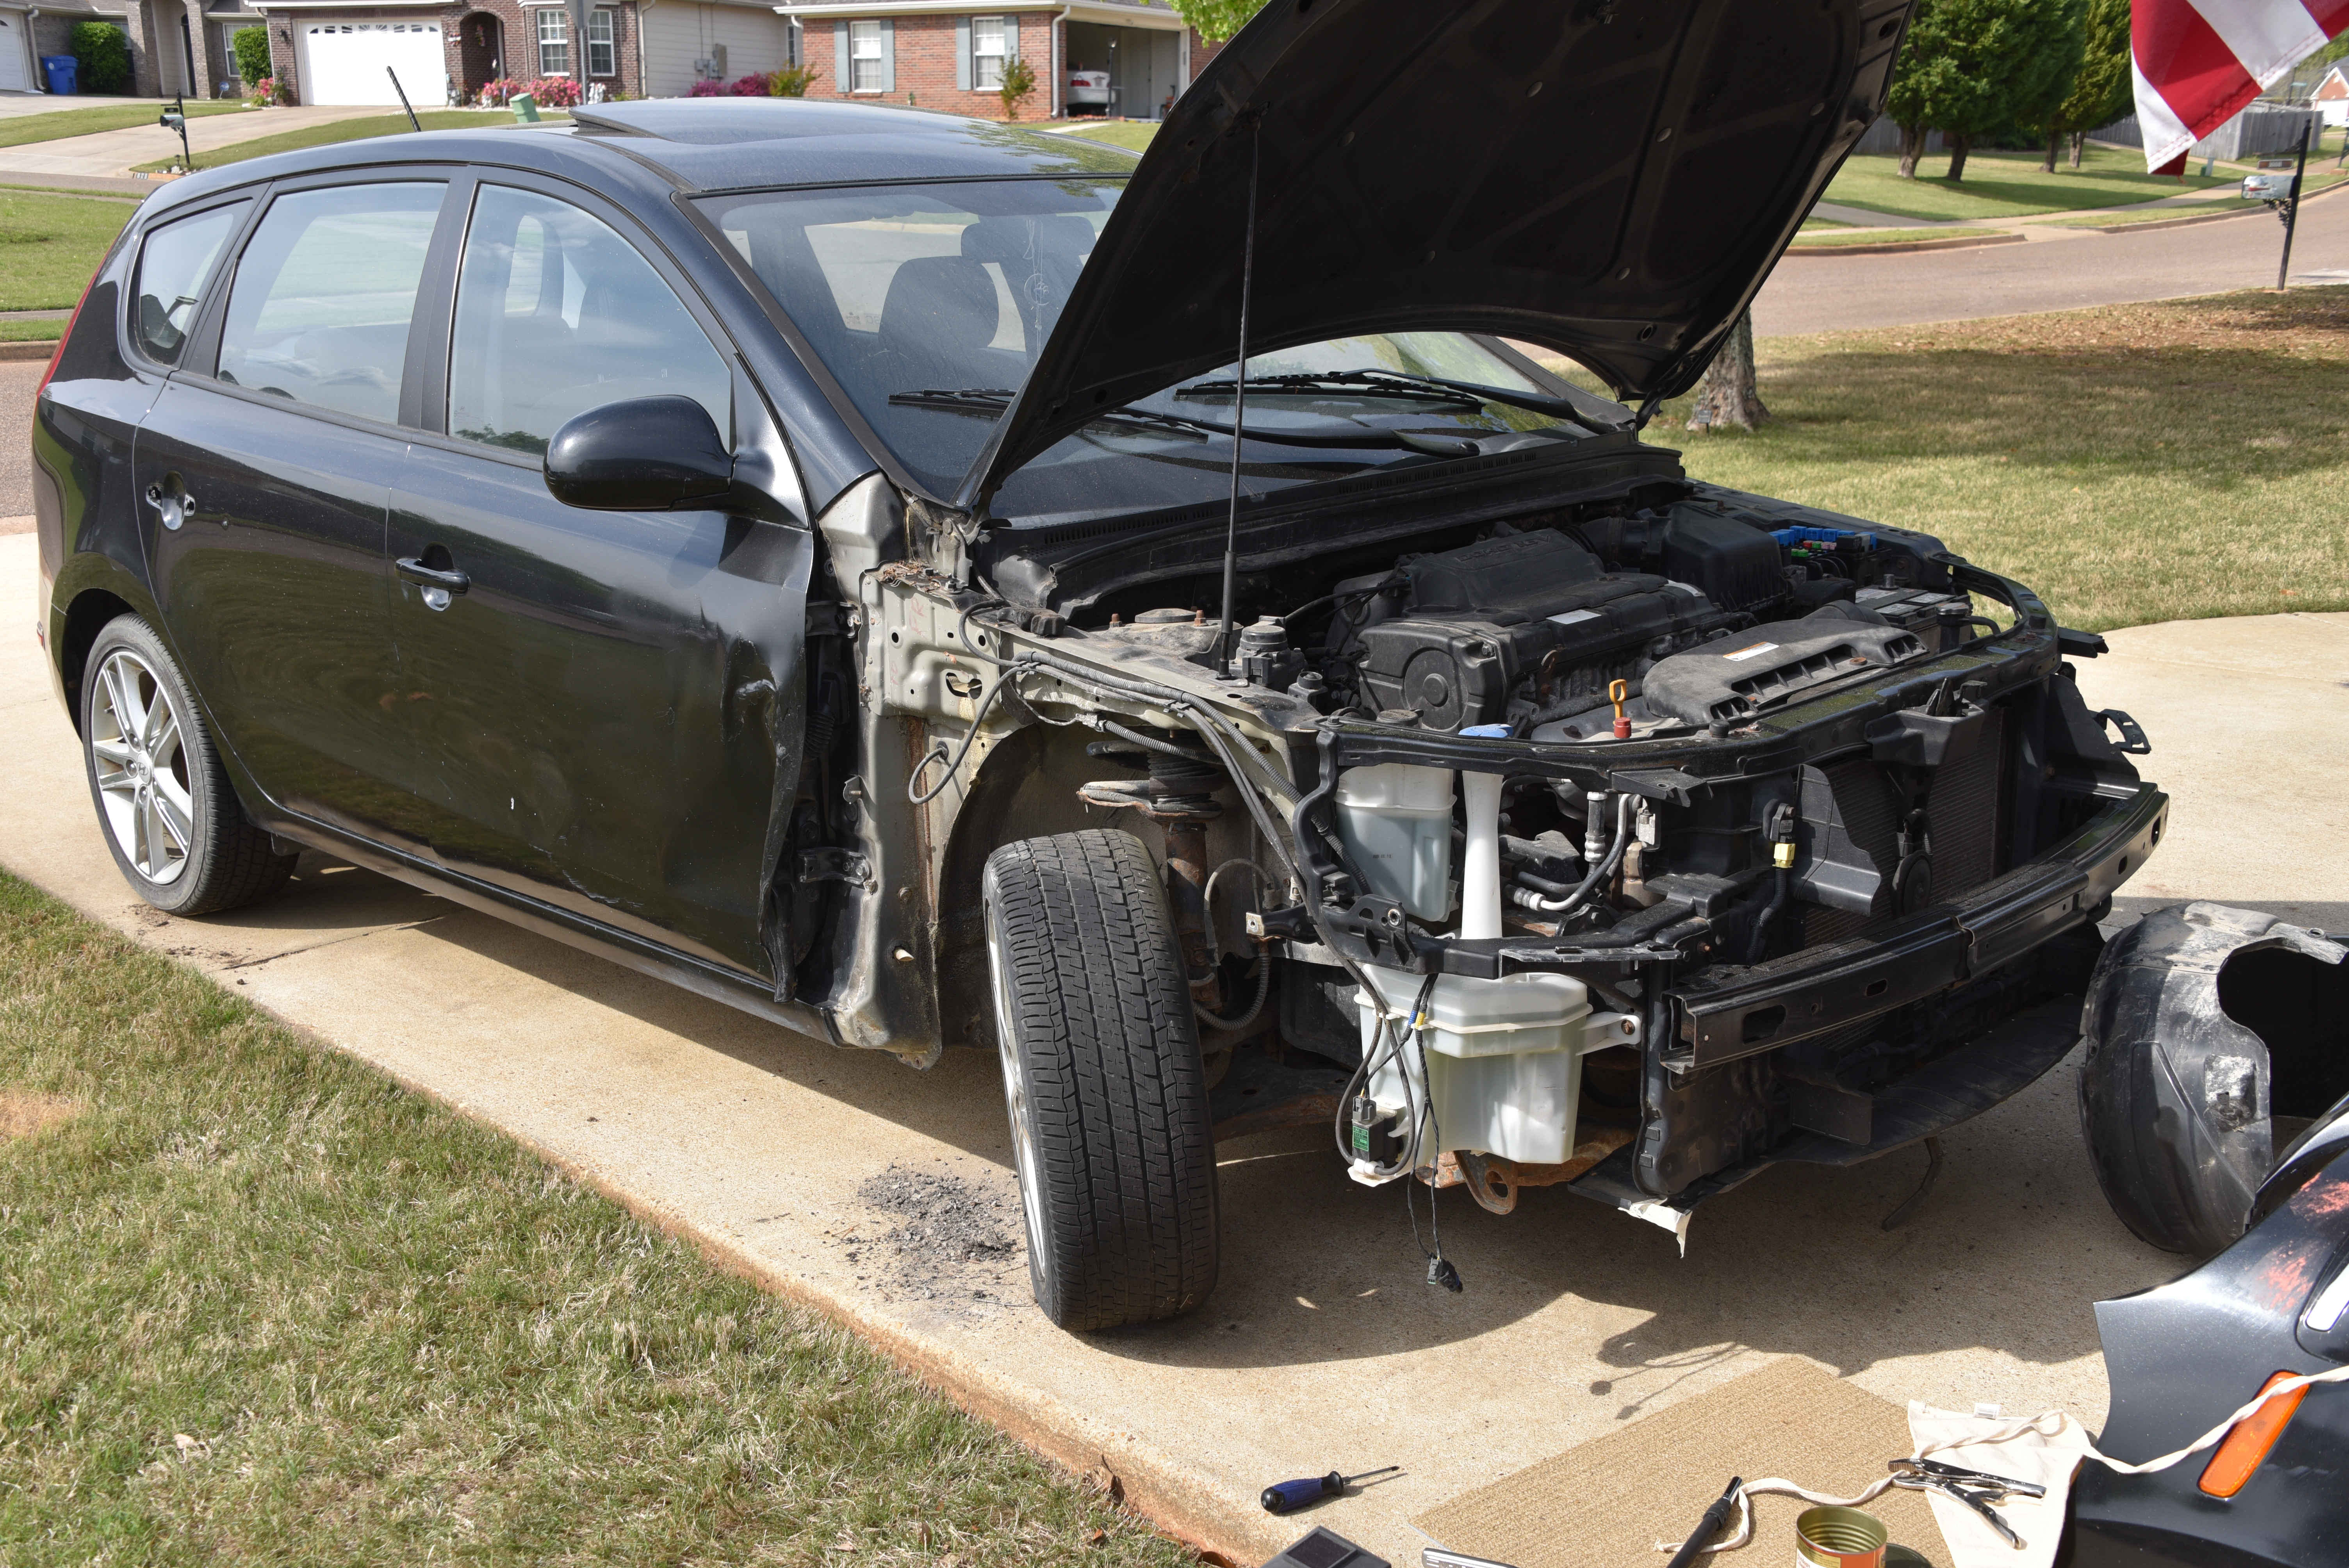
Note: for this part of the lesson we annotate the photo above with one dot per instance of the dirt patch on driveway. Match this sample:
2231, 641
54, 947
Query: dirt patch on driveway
953, 1241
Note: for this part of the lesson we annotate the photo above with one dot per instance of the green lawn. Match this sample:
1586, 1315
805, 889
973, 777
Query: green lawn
2007, 184
31, 331
1819, 242
1131, 134
22, 129
2131, 464
260, 1304
49, 246
360, 129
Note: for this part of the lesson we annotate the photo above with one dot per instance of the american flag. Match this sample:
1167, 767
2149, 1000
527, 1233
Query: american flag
2198, 61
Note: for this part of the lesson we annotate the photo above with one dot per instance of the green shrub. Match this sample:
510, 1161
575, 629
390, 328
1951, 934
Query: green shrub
251, 46
792, 81
1019, 82
104, 52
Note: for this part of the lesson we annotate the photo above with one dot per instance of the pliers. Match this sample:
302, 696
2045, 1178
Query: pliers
1976, 1489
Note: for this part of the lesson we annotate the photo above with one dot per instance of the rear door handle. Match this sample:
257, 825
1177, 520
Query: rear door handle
173, 505
437, 585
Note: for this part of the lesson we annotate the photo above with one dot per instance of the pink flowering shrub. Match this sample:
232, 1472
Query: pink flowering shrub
705, 88
555, 92
753, 85
495, 94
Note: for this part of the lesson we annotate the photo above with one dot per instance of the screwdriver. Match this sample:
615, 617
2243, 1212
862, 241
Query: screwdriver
1283, 1496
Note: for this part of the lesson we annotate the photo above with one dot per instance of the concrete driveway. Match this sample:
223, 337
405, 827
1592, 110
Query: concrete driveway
1322, 1345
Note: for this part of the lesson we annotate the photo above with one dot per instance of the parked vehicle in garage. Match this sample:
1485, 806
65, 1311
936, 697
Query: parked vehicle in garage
842, 560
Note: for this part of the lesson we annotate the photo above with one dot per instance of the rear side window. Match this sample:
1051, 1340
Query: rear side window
173, 263
556, 314
319, 311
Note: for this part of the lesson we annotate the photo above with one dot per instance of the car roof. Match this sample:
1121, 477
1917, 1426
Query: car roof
709, 144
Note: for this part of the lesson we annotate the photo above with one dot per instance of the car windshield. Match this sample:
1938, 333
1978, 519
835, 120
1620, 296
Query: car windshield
929, 304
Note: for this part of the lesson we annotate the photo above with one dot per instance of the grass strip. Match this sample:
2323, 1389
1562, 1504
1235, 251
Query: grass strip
358, 129
1888, 237
19, 130
2311, 185
31, 331
1130, 134
260, 1304
49, 246
2131, 463
2006, 184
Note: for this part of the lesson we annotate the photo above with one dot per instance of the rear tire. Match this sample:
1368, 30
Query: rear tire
165, 806
1104, 1080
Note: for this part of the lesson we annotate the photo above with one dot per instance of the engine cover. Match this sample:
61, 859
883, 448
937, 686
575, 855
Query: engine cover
1475, 621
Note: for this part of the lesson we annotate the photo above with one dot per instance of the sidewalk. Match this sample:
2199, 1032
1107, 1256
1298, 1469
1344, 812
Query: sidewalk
109, 154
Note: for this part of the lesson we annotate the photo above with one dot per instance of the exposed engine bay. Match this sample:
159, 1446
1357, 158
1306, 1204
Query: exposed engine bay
1633, 843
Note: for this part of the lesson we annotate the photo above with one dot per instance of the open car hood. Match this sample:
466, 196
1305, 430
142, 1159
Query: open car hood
1612, 179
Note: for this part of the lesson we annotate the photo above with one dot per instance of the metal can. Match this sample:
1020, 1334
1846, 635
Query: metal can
1840, 1538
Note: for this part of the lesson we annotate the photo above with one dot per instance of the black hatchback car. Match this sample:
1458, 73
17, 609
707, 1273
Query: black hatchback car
934, 582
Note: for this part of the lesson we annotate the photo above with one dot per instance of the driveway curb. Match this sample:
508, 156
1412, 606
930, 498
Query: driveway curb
40, 348
1894, 247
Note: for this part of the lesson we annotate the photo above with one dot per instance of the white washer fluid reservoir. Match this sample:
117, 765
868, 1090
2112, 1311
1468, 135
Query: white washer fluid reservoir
1503, 1067
1395, 820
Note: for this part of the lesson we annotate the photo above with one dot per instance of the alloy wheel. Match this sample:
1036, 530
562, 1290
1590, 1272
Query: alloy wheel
137, 746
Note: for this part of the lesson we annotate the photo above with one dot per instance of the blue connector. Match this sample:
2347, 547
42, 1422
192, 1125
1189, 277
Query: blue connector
1804, 533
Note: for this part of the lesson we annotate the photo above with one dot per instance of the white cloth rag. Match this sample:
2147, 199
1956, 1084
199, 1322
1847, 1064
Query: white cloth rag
2048, 1453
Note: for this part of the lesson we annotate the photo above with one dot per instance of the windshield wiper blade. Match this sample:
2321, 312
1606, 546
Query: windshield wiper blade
1357, 437
1395, 383
1353, 382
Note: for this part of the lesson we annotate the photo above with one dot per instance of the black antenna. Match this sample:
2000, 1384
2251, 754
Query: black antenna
1239, 404
403, 98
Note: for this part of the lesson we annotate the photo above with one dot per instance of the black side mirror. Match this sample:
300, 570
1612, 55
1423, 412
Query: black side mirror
647, 454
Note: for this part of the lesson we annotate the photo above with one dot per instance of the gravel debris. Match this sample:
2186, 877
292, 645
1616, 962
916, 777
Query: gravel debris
952, 1235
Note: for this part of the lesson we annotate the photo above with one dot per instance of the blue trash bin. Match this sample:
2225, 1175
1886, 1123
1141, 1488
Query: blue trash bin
61, 70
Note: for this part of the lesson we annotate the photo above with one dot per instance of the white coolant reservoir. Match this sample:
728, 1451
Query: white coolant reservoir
1503, 1062
1396, 823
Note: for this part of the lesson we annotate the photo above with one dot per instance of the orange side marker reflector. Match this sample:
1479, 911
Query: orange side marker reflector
2241, 1451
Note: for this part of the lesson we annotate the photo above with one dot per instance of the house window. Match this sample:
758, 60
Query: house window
986, 53
554, 42
865, 58
600, 44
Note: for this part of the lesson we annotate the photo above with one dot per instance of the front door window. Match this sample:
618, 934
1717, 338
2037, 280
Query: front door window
556, 314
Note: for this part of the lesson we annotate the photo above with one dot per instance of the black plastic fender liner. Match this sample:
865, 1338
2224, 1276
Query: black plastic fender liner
2175, 1095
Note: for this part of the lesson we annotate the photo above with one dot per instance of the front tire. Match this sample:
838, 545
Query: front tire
1104, 1080
165, 805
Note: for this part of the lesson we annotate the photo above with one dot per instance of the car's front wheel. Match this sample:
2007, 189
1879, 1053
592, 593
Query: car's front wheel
164, 800
1104, 1080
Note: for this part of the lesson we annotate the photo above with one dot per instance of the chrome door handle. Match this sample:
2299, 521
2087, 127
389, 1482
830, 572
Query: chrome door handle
172, 507
439, 585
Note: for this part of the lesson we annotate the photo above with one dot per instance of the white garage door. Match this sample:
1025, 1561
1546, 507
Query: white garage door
13, 59
343, 62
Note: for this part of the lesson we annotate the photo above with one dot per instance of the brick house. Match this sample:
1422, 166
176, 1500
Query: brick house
944, 54
175, 45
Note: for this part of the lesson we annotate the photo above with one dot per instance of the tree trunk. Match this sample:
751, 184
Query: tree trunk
1726, 396
1959, 147
1913, 147
2055, 140
2079, 146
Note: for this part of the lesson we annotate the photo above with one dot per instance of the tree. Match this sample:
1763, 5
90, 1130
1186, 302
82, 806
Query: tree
1018, 83
1726, 395
251, 48
2103, 91
1215, 20
1970, 67
103, 53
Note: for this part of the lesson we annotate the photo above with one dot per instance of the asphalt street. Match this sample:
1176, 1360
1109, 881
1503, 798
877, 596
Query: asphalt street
2059, 269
